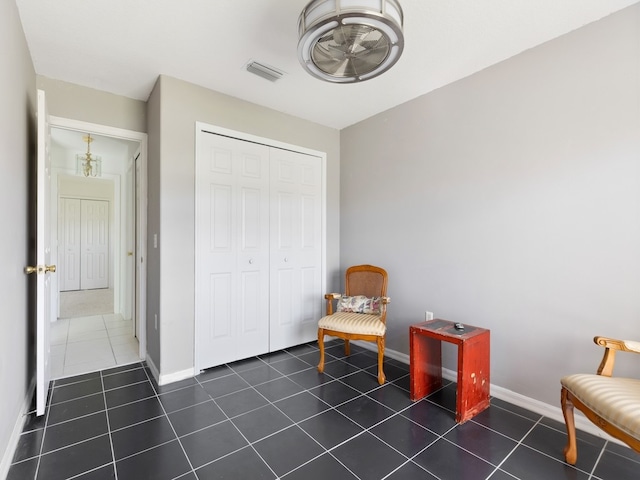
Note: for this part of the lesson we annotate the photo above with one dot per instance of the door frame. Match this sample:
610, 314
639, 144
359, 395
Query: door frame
140, 311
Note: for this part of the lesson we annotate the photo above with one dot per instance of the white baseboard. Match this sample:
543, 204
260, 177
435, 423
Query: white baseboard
176, 376
152, 366
550, 411
164, 379
9, 452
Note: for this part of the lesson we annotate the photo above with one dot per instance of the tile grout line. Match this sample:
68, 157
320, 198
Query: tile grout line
327, 451
297, 424
106, 411
44, 431
365, 429
269, 402
288, 376
113, 353
157, 397
69, 339
249, 443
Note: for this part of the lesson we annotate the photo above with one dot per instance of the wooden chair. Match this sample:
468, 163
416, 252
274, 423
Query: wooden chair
612, 403
361, 313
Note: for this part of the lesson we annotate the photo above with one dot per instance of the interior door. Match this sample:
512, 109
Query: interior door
94, 240
43, 249
296, 248
232, 250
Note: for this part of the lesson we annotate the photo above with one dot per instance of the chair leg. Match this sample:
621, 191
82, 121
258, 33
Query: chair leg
571, 449
321, 347
347, 348
381, 377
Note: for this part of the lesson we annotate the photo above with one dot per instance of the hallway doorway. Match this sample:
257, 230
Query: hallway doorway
98, 312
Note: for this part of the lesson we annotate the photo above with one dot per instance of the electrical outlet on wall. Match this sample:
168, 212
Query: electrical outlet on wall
428, 316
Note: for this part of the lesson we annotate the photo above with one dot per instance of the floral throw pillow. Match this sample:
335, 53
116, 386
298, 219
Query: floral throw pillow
359, 304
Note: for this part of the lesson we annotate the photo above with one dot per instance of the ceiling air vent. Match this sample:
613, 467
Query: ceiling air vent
264, 71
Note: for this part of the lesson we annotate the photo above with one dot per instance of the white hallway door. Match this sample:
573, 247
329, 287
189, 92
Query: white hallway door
258, 248
84, 244
43, 256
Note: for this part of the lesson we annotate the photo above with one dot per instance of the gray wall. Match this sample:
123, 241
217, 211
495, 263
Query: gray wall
177, 105
17, 162
153, 222
511, 200
76, 102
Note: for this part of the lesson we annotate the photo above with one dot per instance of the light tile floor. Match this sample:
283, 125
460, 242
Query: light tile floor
87, 344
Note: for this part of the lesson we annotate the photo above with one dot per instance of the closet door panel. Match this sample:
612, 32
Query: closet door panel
221, 326
232, 186
295, 248
69, 244
220, 225
309, 287
94, 239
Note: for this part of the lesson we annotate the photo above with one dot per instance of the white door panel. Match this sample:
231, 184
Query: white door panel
43, 255
232, 250
296, 254
94, 238
69, 244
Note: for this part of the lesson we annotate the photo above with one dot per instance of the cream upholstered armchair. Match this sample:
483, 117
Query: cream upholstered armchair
360, 313
612, 403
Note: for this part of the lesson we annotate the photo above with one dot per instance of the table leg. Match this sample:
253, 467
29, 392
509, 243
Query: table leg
473, 377
425, 364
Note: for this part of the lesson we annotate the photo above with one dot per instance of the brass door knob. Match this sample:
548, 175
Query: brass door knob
40, 269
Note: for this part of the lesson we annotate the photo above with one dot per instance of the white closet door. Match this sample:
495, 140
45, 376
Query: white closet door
94, 238
232, 250
296, 253
69, 244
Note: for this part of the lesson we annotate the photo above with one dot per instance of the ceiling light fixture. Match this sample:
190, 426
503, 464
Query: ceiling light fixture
347, 41
87, 164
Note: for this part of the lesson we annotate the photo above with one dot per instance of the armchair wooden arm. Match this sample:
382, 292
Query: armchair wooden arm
611, 347
330, 298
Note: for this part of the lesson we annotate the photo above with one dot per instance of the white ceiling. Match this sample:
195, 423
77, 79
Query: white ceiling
121, 46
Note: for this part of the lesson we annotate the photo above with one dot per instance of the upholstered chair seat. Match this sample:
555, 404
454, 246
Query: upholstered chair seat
354, 323
611, 403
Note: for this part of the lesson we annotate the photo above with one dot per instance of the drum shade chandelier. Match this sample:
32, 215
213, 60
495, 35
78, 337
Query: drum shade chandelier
347, 41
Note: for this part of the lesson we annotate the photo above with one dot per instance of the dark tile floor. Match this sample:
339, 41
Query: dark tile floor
274, 417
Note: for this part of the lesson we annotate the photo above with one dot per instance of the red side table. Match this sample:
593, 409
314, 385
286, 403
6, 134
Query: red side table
473, 364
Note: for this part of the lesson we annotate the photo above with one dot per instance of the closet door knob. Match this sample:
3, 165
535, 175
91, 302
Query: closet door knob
286, 259
250, 261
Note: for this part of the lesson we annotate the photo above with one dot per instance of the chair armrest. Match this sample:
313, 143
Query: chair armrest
632, 346
611, 346
330, 297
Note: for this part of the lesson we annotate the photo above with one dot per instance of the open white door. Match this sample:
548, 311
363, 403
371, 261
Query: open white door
43, 254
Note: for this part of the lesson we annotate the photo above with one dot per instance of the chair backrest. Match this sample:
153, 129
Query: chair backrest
366, 280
